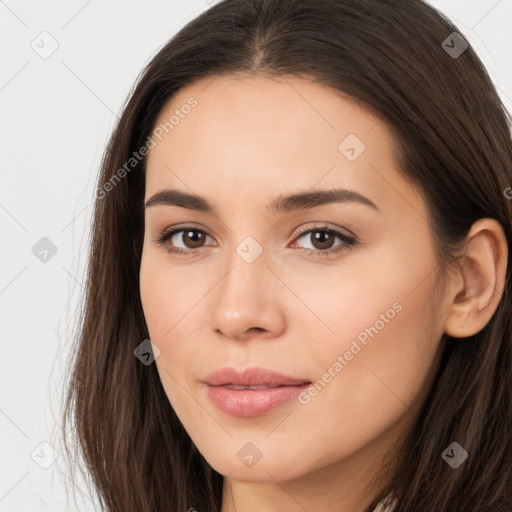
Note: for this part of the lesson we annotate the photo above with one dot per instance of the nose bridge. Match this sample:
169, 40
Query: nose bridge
245, 298
247, 269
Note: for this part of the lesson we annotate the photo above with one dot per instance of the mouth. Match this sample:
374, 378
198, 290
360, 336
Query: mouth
253, 377
252, 392
238, 387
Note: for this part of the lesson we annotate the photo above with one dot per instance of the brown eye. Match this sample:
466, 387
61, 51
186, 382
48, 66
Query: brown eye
190, 239
322, 240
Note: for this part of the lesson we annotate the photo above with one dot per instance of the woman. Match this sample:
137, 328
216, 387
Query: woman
222, 364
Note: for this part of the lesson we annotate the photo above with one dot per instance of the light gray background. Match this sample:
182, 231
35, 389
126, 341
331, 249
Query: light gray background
56, 116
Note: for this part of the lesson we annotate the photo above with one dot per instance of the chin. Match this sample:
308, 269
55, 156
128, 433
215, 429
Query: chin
266, 469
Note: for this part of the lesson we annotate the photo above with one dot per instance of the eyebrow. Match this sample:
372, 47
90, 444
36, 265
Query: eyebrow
282, 204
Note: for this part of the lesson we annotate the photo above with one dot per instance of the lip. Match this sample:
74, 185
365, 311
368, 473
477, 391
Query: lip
230, 390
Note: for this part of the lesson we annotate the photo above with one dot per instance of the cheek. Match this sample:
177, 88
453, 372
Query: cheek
387, 350
154, 295
160, 303
368, 302
387, 338
165, 296
169, 305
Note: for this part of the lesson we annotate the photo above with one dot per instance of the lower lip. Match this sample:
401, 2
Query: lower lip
247, 403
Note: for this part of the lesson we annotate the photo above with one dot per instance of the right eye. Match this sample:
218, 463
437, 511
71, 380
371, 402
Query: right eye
191, 237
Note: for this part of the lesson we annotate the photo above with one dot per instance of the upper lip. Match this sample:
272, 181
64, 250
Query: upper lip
253, 376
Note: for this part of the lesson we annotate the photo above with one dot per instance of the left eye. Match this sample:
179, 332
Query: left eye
322, 239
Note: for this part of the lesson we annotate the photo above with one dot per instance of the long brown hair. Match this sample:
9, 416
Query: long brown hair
453, 142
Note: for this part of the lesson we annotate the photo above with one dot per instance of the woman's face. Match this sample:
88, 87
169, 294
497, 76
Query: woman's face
353, 327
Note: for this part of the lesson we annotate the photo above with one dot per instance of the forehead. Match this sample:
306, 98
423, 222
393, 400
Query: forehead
260, 135
283, 109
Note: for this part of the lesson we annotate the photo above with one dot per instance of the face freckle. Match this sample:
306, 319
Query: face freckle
359, 326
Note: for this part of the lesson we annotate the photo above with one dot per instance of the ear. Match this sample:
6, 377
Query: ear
478, 285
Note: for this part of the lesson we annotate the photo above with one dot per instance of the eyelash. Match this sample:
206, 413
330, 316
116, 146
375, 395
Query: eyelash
348, 241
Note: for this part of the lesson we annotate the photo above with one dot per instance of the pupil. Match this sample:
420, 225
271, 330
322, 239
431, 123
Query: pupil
323, 244
197, 237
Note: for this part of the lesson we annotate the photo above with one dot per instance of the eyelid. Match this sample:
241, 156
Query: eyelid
300, 231
320, 226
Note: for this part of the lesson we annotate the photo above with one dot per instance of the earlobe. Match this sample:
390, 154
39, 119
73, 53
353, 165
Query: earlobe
478, 287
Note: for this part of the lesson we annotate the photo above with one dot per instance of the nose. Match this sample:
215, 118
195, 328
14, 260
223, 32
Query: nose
248, 301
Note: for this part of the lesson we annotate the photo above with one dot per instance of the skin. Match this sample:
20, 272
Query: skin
291, 311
